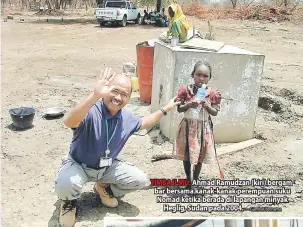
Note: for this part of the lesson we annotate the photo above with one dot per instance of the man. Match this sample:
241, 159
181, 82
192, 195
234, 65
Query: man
163, 14
146, 17
101, 128
160, 21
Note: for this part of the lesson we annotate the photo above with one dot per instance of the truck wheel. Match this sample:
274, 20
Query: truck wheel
123, 22
138, 19
102, 24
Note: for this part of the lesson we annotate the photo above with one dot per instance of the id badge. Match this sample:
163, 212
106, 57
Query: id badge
105, 162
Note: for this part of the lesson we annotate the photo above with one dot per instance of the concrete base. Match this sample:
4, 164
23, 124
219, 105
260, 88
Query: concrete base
236, 74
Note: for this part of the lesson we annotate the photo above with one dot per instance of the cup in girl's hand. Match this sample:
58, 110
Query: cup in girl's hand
202, 92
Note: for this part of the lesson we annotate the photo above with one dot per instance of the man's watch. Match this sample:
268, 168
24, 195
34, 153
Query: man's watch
163, 111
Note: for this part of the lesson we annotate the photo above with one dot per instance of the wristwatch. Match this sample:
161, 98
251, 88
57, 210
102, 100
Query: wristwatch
163, 111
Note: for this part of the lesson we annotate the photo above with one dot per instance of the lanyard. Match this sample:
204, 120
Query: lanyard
109, 140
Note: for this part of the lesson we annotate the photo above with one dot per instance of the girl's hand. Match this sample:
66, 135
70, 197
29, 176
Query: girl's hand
205, 104
192, 104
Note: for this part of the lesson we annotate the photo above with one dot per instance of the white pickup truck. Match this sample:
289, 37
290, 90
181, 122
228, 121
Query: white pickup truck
118, 11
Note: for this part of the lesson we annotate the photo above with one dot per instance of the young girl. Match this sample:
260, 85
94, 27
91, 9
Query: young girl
195, 142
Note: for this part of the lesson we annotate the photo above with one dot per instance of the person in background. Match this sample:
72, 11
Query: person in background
161, 18
146, 16
163, 14
195, 141
178, 26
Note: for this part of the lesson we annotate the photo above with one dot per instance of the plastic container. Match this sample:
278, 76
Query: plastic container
135, 83
22, 117
174, 41
202, 92
145, 62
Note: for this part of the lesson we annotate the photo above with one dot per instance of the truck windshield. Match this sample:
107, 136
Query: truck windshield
116, 4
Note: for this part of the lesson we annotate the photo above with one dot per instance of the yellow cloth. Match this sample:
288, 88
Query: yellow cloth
178, 16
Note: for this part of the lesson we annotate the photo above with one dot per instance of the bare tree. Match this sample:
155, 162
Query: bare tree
147, 3
57, 4
234, 3
63, 4
49, 5
158, 6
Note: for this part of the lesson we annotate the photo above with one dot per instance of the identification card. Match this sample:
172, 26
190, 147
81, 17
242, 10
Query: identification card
105, 162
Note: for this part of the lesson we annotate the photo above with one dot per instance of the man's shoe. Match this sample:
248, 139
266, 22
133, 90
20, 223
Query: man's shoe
107, 199
68, 212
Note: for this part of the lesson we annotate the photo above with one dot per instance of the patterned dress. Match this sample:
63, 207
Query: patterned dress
195, 140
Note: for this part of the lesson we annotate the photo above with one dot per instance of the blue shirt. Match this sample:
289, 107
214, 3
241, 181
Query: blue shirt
90, 140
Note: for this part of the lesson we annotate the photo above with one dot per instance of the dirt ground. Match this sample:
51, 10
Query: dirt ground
46, 65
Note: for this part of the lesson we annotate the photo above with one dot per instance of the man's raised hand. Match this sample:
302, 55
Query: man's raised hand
102, 85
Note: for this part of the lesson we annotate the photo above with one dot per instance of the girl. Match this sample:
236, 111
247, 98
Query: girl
178, 26
195, 142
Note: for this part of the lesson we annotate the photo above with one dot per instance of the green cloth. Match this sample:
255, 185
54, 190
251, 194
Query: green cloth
178, 30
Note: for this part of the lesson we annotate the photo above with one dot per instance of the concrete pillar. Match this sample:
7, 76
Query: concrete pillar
230, 223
